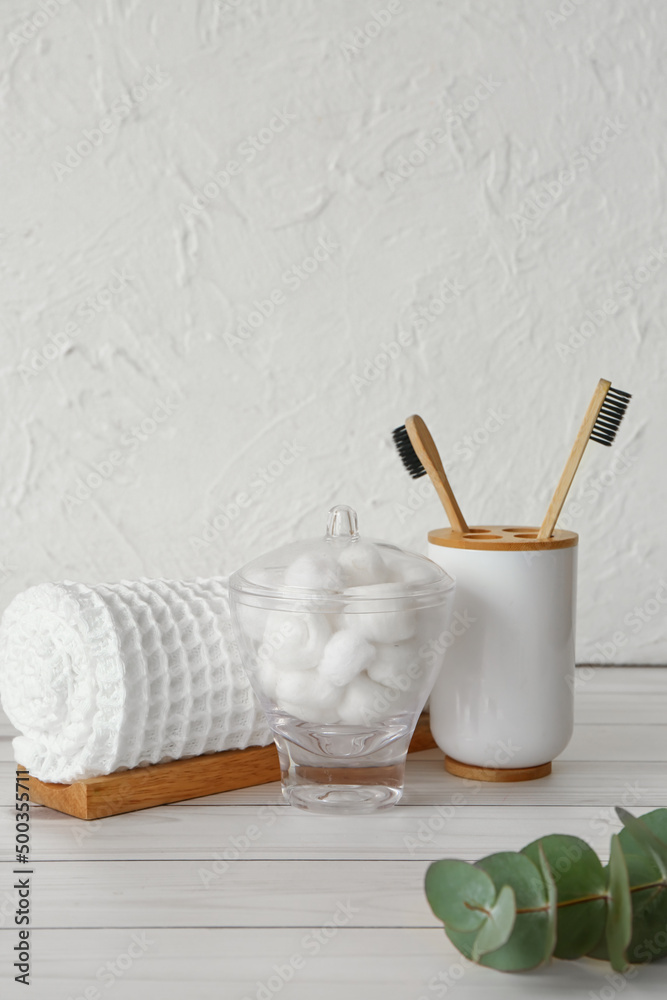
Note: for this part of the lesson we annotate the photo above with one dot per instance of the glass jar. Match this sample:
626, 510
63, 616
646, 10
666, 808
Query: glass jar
342, 639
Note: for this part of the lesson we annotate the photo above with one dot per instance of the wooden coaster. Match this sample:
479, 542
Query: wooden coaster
159, 784
496, 773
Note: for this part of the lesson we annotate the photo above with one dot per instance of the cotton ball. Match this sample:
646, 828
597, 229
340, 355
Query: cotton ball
266, 678
361, 564
295, 641
310, 713
412, 569
390, 666
364, 702
392, 626
345, 655
307, 696
386, 622
314, 572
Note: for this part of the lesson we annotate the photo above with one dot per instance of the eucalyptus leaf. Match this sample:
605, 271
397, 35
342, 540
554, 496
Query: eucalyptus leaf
459, 894
619, 909
552, 898
498, 925
581, 887
647, 839
530, 942
649, 892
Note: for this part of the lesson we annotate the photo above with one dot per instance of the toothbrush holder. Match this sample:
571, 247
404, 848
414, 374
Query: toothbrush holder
503, 706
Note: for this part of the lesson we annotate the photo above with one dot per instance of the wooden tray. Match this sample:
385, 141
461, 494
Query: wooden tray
158, 784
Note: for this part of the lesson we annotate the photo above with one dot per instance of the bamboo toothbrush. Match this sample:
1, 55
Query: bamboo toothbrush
603, 417
420, 456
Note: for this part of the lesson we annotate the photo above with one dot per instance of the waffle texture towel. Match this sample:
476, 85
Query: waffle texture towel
98, 678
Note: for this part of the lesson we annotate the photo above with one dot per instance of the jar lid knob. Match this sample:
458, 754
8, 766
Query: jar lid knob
342, 522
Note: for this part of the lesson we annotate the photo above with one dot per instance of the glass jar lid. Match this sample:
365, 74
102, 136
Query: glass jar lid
341, 571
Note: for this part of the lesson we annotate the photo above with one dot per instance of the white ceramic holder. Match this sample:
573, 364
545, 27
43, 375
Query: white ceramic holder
503, 705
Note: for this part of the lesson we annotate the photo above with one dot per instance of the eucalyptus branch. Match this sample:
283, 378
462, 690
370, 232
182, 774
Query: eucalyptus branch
515, 910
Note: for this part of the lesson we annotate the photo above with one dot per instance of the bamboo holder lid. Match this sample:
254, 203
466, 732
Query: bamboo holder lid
504, 539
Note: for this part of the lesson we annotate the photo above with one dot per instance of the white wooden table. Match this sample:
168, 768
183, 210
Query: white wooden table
216, 897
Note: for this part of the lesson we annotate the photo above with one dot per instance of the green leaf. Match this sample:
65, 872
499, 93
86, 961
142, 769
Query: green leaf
552, 898
498, 925
649, 905
459, 894
579, 877
619, 912
648, 841
531, 940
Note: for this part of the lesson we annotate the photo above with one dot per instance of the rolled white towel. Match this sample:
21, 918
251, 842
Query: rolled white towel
100, 678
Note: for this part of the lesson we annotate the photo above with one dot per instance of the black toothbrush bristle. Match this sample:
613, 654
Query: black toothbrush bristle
610, 416
407, 453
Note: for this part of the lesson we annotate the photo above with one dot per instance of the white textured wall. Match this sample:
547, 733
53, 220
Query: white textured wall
127, 298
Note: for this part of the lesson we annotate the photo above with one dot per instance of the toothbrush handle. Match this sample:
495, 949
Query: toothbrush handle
424, 445
572, 464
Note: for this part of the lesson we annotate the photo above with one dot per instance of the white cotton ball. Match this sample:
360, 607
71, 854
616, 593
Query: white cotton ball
266, 678
408, 570
315, 698
314, 572
295, 640
364, 702
390, 666
362, 564
381, 626
311, 713
386, 622
345, 655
